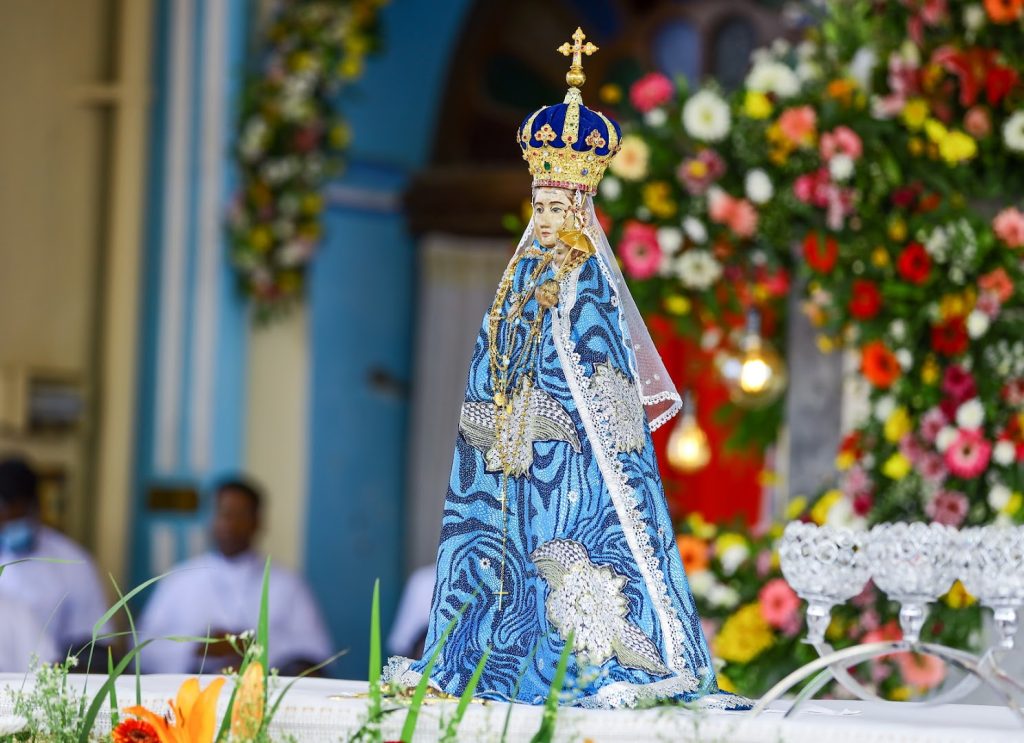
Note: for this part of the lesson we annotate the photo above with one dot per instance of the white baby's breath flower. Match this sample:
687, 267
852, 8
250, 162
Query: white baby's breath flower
706, 116
611, 187
945, 438
655, 117
758, 186
977, 323
999, 496
970, 415
1004, 453
774, 77
840, 167
695, 230
1013, 132
698, 269
670, 239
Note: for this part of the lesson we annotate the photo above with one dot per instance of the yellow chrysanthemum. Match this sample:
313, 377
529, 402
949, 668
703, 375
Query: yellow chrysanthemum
657, 196
819, 512
725, 683
898, 425
897, 230
757, 105
845, 460
957, 147
896, 467
915, 113
957, 597
880, 257
930, 371
744, 635
677, 304
935, 131
729, 540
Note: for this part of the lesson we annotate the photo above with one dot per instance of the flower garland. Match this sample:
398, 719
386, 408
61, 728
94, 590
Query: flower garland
878, 161
291, 140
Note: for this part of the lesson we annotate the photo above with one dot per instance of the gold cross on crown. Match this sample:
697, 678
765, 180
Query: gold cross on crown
577, 49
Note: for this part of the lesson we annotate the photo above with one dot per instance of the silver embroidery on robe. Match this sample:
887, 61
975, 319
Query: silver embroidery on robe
586, 599
532, 416
616, 408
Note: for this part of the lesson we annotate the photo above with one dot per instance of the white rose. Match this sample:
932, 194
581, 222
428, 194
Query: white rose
1004, 453
999, 496
611, 187
723, 596
1013, 132
977, 323
884, 407
655, 117
970, 415
905, 359
945, 438
706, 116
695, 230
840, 167
701, 582
759, 186
974, 17
669, 239
732, 558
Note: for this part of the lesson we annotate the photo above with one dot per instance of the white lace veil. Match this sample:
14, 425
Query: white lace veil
657, 392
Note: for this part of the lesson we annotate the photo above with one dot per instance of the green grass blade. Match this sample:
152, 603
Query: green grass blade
546, 732
373, 673
135, 641
114, 717
412, 716
89, 718
263, 628
56, 560
466, 698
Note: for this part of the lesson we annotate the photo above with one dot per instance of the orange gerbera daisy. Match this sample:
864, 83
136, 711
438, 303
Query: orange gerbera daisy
132, 730
194, 713
879, 364
1004, 11
694, 552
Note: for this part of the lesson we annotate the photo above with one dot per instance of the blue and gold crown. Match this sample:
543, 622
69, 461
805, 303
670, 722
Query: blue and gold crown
569, 145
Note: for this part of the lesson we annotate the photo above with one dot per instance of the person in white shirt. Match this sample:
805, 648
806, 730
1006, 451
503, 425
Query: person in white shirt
66, 597
22, 638
218, 594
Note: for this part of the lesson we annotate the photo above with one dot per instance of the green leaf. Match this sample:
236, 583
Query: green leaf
467, 696
374, 671
546, 732
114, 718
412, 716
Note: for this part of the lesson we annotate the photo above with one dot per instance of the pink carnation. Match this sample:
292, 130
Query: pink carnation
931, 423
812, 188
639, 250
948, 507
1009, 227
923, 671
911, 448
651, 91
778, 603
841, 140
798, 125
968, 455
932, 468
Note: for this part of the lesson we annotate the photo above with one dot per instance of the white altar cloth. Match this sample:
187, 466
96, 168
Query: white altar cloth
330, 710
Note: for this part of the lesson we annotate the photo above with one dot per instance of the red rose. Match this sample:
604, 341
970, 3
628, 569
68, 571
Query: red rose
866, 300
914, 264
950, 337
821, 255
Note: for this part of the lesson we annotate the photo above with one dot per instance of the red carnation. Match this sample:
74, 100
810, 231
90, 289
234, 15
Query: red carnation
821, 255
950, 337
914, 264
866, 300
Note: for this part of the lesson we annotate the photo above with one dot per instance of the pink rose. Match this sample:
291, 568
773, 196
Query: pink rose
798, 125
968, 455
739, 215
924, 671
841, 141
812, 188
1009, 226
639, 250
651, 91
948, 507
778, 603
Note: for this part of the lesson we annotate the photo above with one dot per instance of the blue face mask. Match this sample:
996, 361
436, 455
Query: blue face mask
18, 536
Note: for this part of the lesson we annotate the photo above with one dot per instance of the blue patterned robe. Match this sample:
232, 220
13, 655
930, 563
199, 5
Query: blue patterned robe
589, 545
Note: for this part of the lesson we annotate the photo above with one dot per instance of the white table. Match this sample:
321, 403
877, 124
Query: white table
329, 710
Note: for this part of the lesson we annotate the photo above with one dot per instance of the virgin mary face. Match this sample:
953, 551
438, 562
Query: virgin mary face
550, 213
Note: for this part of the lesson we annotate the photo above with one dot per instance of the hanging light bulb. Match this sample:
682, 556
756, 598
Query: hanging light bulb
688, 449
755, 375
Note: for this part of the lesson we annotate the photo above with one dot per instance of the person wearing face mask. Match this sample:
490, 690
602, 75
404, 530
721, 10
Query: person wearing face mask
65, 597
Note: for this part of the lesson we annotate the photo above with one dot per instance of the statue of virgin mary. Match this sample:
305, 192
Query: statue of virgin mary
555, 522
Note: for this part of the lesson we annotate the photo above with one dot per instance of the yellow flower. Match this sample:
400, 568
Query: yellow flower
796, 507
896, 467
836, 628
957, 305
935, 131
194, 714
915, 113
247, 712
898, 425
744, 635
657, 196
880, 257
700, 527
900, 694
767, 478
930, 371
845, 460
825, 344
757, 105
819, 512
260, 239
729, 540
677, 304
957, 596
725, 684
610, 93
631, 162
915, 146
1013, 505
957, 147
897, 230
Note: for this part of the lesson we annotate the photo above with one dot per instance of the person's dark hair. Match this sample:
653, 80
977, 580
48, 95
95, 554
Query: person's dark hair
18, 481
243, 485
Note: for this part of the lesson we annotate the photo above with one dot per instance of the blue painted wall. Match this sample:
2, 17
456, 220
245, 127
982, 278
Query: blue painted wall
361, 322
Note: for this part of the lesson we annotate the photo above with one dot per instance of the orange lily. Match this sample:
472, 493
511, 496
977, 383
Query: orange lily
194, 711
247, 713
